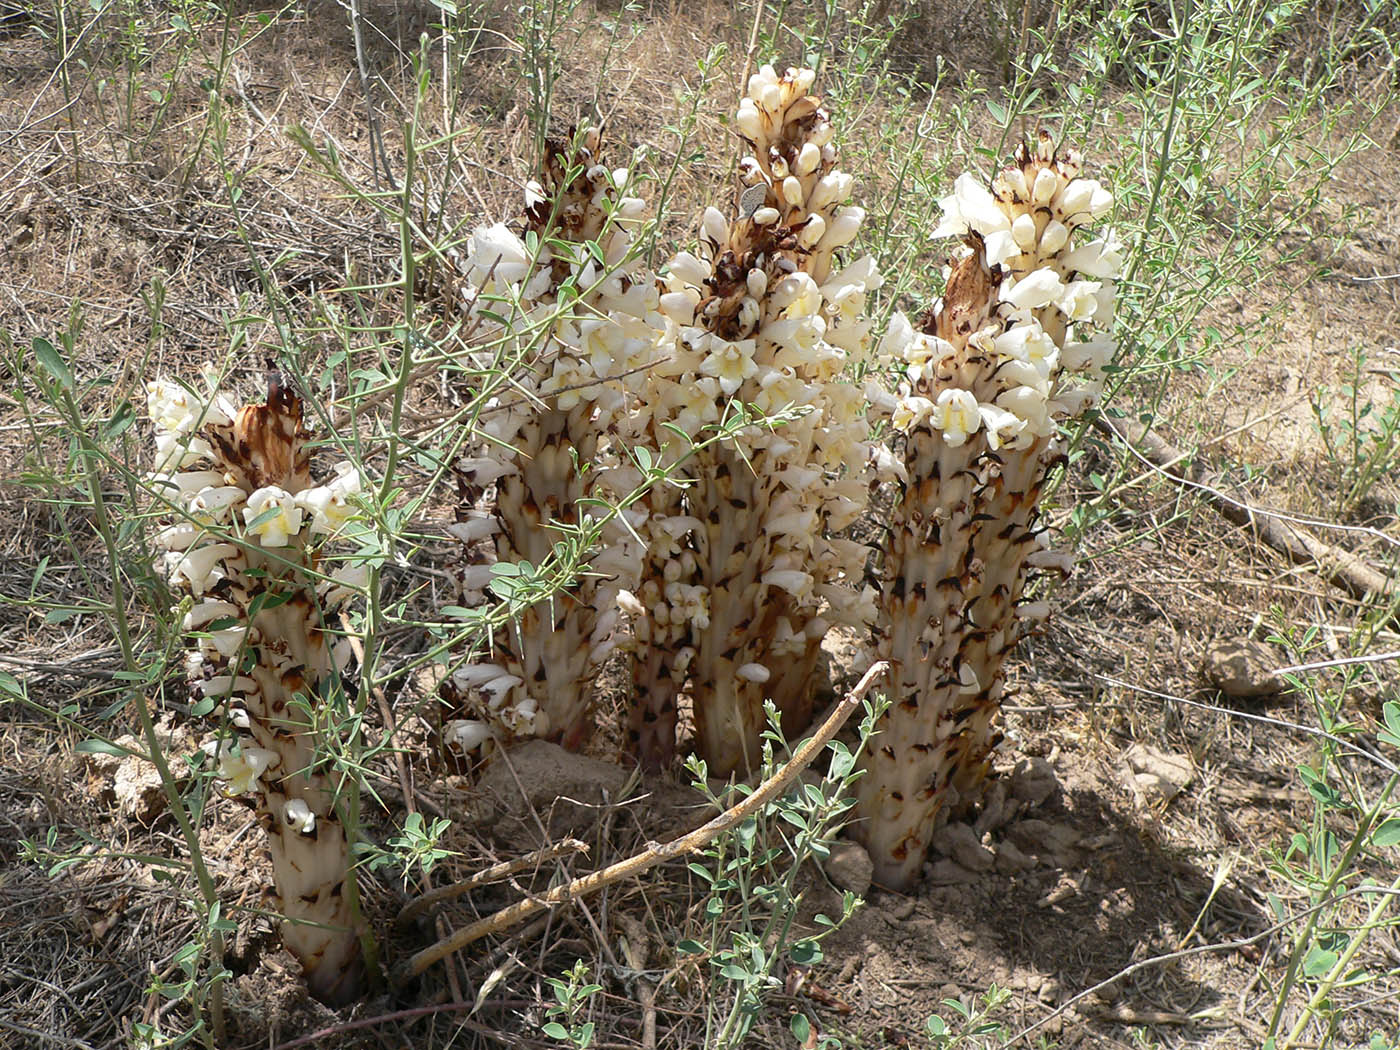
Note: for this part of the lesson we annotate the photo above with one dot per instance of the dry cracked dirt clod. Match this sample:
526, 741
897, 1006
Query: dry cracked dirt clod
1243, 669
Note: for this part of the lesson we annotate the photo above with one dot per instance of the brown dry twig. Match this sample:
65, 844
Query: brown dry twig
495, 873
1281, 532
656, 852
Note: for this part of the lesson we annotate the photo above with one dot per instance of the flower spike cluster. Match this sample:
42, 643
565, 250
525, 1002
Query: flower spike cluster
581, 324
1016, 346
742, 574
239, 545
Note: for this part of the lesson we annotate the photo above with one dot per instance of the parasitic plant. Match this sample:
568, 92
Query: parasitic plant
742, 575
1016, 345
568, 316
242, 545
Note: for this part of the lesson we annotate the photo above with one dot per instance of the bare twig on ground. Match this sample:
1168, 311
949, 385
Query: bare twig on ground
655, 853
1281, 532
495, 873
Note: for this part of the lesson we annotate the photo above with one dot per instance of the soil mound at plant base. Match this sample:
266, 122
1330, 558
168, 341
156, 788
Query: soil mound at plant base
566, 791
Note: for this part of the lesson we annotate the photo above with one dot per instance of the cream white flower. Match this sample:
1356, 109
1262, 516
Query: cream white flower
178, 537
279, 513
1038, 289
1034, 611
715, 226
690, 603
329, 505
1055, 237
1098, 259
298, 816
1024, 342
898, 337
496, 251
832, 188
754, 673
215, 506
730, 363
798, 584
791, 188
956, 415
695, 404
174, 409
1031, 406
226, 641
568, 381
812, 231
778, 390
524, 718
1075, 401
1012, 181
1079, 300
200, 568
181, 487
1001, 247
208, 611
1107, 306
606, 345
1001, 426
1013, 372
976, 205
178, 451
1084, 200
844, 228
1090, 356
346, 583
1023, 229
242, 772
474, 529
679, 306
496, 690
473, 676
686, 271
476, 578
484, 470
909, 412
466, 735
749, 119
796, 295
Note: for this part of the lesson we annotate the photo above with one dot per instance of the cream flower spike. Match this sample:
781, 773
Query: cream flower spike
575, 360
985, 381
244, 532
770, 311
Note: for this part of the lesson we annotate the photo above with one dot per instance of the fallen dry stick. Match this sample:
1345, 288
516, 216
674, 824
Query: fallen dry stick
495, 873
1333, 564
656, 852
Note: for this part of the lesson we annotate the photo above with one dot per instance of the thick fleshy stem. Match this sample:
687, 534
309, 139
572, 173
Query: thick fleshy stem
242, 550
571, 325
743, 577
988, 378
